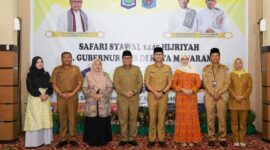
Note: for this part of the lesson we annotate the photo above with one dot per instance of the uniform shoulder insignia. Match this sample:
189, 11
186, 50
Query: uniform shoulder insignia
75, 67
168, 67
205, 67
118, 67
137, 67
225, 67
58, 67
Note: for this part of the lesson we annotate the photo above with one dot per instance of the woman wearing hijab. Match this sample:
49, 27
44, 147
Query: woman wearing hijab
97, 87
38, 116
239, 91
186, 83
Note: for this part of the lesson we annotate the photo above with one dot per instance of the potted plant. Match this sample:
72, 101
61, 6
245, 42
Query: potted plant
56, 123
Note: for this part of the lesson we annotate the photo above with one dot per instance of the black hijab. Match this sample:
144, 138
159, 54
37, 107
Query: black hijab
38, 75
33, 69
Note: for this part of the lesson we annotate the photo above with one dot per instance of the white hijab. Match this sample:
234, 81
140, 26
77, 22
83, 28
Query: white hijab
186, 68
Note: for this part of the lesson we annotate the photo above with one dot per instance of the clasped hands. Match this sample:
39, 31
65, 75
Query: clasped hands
66, 95
129, 94
44, 97
186, 91
239, 98
97, 97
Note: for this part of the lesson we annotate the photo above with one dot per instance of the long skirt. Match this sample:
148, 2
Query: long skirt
187, 126
38, 138
38, 121
97, 131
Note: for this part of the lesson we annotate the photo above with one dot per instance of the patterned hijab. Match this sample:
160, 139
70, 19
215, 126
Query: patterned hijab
97, 78
186, 68
241, 71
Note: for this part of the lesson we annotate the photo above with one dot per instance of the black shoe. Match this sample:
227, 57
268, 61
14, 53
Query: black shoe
211, 143
223, 143
133, 143
61, 144
122, 143
162, 144
151, 144
73, 143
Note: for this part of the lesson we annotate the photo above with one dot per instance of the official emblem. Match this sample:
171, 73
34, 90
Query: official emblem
149, 4
128, 3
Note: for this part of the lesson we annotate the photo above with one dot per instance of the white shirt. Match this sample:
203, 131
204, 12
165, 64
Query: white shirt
78, 21
177, 20
211, 18
62, 23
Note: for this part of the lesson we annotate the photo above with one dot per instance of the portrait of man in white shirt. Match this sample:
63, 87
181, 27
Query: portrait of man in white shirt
183, 19
75, 19
211, 19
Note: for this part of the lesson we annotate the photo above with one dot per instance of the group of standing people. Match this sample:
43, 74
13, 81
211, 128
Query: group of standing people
222, 89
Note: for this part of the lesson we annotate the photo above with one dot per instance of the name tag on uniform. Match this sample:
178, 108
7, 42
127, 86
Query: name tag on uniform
214, 83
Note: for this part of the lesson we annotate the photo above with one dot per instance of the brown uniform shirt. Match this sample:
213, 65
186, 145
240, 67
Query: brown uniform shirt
158, 77
240, 86
127, 79
221, 76
66, 79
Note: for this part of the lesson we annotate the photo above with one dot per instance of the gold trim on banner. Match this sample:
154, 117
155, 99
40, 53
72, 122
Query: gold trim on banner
51, 34
226, 35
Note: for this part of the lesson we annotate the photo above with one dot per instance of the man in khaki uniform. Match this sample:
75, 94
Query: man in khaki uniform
216, 81
128, 83
66, 81
158, 79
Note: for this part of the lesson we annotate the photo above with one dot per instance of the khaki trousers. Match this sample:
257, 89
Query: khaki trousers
157, 112
127, 113
219, 106
67, 110
239, 124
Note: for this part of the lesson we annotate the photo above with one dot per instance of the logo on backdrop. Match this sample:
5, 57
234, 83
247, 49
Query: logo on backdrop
128, 3
149, 4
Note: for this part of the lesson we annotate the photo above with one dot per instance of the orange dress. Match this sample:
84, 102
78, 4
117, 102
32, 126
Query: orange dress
187, 126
